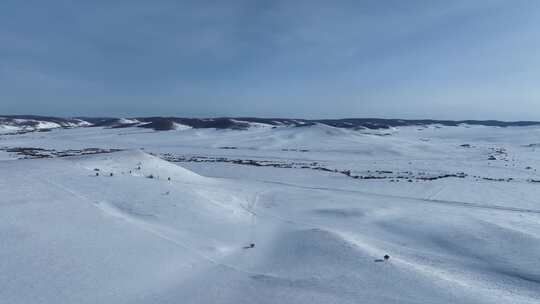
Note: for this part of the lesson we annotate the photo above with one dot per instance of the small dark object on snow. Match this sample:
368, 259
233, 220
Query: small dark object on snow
96, 169
169, 179
386, 258
97, 173
252, 245
111, 174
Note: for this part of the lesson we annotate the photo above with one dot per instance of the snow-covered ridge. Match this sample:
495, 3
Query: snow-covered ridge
29, 123
22, 124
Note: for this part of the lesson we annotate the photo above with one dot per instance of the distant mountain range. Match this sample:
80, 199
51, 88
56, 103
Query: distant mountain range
31, 123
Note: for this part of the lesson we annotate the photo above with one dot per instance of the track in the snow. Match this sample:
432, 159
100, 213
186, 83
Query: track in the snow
410, 198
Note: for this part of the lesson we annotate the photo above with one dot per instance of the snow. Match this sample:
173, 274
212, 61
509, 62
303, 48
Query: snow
46, 125
69, 236
80, 123
178, 126
127, 121
26, 125
252, 124
8, 129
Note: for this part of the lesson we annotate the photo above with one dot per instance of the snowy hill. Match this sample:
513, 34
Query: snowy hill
270, 215
29, 123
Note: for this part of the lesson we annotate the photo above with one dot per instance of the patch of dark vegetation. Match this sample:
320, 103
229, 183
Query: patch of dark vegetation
430, 178
159, 125
498, 179
498, 154
102, 121
368, 175
31, 153
294, 150
377, 123
242, 123
168, 123
125, 125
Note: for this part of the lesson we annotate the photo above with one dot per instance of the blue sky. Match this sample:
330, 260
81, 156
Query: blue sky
314, 59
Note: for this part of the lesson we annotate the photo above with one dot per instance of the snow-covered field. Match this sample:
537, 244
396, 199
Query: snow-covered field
455, 208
